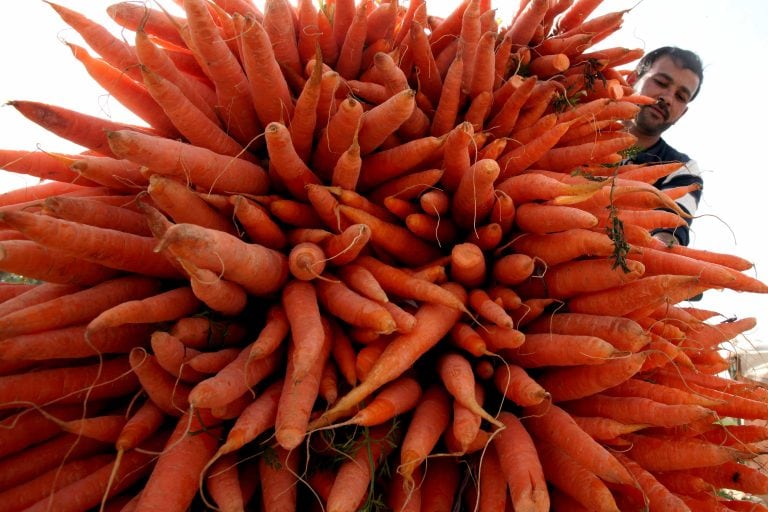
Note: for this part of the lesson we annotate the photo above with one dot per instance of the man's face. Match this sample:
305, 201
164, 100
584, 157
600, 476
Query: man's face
672, 87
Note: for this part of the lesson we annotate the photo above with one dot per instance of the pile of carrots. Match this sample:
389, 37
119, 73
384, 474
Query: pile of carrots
360, 257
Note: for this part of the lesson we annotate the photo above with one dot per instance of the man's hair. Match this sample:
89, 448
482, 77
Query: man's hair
686, 59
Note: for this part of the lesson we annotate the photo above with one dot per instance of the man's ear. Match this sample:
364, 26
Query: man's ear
632, 78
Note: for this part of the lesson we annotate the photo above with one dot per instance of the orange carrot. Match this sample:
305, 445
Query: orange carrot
456, 374
264, 73
204, 168
190, 446
306, 261
128, 92
35, 261
221, 66
182, 204
560, 350
551, 424
300, 389
384, 119
515, 383
220, 295
206, 248
474, 196
257, 223
574, 479
70, 384
520, 465
468, 265
353, 308
572, 382
161, 307
433, 322
353, 478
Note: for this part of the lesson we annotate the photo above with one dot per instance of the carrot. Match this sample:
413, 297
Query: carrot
70, 342
220, 295
515, 383
502, 123
107, 481
337, 135
295, 213
507, 297
440, 483
349, 61
520, 465
24, 428
433, 322
97, 213
161, 307
551, 424
162, 25
570, 383
396, 281
110, 172
448, 105
300, 391
710, 273
125, 90
278, 480
513, 269
635, 294
605, 429
623, 333
407, 186
182, 204
393, 238
352, 308
430, 418
468, 265
541, 218
465, 427
146, 421
343, 248
263, 71
70, 384
384, 119
555, 248
82, 129
207, 248
639, 410
197, 92
456, 374
474, 195
35, 261
76, 307
560, 350
306, 261
564, 473
221, 66
204, 168
46, 454
44, 166
395, 162
486, 308
353, 478
395, 398
257, 223
190, 446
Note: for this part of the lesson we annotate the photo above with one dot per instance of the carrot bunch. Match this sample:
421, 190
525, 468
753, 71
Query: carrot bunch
361, 257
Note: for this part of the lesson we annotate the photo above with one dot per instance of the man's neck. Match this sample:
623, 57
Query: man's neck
644, 141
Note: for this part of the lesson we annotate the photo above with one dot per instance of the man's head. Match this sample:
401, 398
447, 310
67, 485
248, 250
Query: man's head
673, 77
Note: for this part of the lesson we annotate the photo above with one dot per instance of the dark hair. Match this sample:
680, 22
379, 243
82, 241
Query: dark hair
686, 59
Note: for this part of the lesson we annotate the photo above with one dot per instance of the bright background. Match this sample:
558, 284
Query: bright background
723, 130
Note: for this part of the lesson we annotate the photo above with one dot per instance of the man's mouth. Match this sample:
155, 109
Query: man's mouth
660, 110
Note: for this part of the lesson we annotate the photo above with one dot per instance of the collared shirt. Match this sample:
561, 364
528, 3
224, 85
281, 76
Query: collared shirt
688, 174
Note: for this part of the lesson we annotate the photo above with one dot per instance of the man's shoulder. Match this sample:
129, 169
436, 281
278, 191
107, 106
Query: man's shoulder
660, 152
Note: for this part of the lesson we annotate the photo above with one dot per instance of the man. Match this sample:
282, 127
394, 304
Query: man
672, 76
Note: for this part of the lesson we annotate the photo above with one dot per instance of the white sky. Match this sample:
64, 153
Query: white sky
722, 130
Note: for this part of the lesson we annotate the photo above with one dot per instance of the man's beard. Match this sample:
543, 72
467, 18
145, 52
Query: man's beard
647, 121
